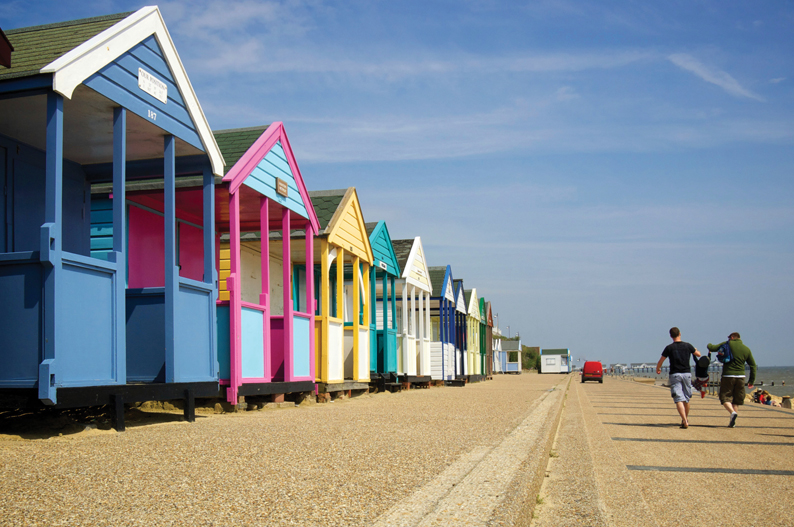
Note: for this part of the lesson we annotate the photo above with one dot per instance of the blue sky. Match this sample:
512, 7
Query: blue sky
599, 171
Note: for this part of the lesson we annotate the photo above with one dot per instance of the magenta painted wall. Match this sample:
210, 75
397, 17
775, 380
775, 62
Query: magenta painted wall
191, 252
277, 348
146, 249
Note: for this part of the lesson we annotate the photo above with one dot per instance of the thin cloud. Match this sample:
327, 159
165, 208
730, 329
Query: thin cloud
714, 76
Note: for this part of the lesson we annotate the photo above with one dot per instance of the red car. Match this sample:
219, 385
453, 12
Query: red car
592, 371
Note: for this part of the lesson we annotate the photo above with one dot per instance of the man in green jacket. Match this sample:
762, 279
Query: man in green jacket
732, 382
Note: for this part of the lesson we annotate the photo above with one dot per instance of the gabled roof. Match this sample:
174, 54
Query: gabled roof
341, 220
460, 300
411, 257
382, 248
442, 282
472, 303
511, 345
437, 275
37, 46
236, 142
73, 52
488, 314
325, 203
259, 160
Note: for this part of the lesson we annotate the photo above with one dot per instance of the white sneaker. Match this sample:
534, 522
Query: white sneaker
732, 423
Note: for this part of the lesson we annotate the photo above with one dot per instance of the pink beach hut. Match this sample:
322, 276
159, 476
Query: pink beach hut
265, 339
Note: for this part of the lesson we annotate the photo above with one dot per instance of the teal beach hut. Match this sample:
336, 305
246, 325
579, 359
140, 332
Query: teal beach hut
383, 306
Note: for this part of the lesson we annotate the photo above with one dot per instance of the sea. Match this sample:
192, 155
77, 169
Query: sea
777, 380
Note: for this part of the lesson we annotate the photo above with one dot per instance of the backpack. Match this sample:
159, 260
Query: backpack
724, 354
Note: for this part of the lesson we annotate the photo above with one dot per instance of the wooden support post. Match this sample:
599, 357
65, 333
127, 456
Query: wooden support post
325, 311
119, 240
190, 406
264, 295
117, 412
235, 300
356, 317
171, 270
289, 371
311, 306
50, 246
420, 341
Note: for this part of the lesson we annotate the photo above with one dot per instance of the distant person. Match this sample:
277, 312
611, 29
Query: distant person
732, 382
680, 373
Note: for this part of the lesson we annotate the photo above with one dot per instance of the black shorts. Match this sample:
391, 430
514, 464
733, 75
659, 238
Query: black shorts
732, 390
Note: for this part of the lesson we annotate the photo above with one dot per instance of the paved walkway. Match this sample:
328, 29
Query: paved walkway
620, 458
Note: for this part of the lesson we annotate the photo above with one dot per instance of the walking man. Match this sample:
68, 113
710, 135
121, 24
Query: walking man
680, 373
732, 382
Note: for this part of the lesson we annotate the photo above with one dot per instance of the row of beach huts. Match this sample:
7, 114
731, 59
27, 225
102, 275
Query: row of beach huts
145, 257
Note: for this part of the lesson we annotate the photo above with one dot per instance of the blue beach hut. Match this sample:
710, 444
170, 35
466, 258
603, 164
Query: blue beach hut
442, 319
84, 102
461, 331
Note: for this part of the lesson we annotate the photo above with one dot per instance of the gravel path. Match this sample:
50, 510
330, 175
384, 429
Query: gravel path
341, 463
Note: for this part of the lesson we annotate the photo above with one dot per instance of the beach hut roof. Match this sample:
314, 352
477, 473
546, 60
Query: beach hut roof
341, 220
37, 46
411, 257
66, 55
261, 158
325, 204
437, 275
382, 247
511, 345
236, 142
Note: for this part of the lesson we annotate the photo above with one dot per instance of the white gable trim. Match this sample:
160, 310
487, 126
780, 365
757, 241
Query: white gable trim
460, 303
474, 304
409, 264
70, 70
449, 294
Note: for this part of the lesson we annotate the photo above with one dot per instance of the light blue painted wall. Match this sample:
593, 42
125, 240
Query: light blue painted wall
85, 323
263, 180
193, 331
300, 345
118, 81
253, 343
20, 323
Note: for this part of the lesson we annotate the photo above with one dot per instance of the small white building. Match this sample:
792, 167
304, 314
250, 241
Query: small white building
556, 360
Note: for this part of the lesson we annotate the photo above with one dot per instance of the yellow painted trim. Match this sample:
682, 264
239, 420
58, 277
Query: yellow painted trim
356, 313
350, 206
325, 310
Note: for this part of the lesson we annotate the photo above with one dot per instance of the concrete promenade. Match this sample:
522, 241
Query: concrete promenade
620, 458
539, 450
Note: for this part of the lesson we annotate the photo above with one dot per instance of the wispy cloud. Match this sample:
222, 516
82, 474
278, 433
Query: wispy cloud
252, 56
713, 75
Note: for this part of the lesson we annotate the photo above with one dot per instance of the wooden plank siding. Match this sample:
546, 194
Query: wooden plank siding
118, 81
263, 180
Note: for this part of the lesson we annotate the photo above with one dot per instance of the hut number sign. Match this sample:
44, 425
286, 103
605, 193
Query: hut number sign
152, 85
281, 187
383, 265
